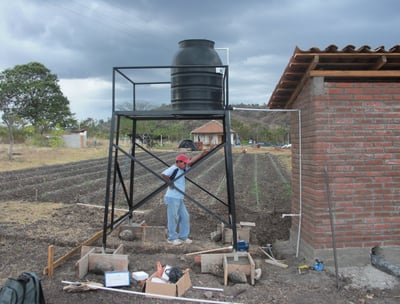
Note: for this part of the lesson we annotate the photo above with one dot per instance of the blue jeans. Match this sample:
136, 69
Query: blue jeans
178, 219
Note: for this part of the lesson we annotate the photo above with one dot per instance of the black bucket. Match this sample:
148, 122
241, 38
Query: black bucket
196, 88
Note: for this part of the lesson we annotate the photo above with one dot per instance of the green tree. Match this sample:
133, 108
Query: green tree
56, 138
10, 105
43, 103
30, 94
243, 129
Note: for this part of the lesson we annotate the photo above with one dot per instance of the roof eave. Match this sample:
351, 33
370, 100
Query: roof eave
348, 63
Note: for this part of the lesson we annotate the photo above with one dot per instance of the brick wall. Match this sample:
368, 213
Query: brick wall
350, 142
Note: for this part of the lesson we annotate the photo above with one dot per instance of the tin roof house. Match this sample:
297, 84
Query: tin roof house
211, 133
75, 139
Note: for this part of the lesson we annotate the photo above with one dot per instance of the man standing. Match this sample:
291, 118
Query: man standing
177, 215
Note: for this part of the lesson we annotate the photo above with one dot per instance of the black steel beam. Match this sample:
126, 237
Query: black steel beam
114, 170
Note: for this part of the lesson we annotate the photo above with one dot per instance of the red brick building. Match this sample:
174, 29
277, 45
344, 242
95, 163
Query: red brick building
347, 152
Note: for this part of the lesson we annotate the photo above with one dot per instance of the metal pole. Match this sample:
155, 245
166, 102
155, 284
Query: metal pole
300, 166
300, 187
229, 178
328, 196
110, 149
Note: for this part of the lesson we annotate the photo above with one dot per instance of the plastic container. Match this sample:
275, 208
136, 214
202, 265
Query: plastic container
243, 246
140, 275
198, 86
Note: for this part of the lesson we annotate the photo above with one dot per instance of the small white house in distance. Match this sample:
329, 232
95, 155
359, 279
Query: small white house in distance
75, 139
211, 133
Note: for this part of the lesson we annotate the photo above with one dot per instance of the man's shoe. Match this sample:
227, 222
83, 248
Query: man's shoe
187, 241
175, 242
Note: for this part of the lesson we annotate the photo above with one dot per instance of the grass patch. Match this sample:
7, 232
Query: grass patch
25, 156
26, 212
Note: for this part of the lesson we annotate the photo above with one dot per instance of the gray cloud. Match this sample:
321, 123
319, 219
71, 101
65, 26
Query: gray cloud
81, 40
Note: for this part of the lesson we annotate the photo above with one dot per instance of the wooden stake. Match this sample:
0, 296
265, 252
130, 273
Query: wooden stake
50, 258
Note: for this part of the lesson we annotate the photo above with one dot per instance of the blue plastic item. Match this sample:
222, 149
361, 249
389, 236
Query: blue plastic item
243, 246
318, 265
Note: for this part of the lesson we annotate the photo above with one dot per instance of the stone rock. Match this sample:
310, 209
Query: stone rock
126, 235
216, 236
237, 277
208, 294
257, 274
216, 269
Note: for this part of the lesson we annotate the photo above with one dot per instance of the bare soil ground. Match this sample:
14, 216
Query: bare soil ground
44, 206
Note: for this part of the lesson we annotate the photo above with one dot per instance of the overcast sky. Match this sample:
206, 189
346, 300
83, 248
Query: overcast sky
82, 40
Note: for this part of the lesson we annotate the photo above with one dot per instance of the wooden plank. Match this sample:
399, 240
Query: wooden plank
208, 261
225, 265
137, 231
304, 78
380, 63
146, 233
273, 262
242, 233
119, 250
82, 265
244, 264
74, 251
86, 249
250, 224
361, 73
210, 250
354, 55
252, 270
50, 259
154, 233
98, 262
93, 259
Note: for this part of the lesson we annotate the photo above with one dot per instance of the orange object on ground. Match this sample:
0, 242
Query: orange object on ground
160, 269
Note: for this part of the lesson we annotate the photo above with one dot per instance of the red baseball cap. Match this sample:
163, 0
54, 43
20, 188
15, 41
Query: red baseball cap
182, 157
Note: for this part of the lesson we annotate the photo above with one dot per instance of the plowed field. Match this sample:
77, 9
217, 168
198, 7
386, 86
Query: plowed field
47, 206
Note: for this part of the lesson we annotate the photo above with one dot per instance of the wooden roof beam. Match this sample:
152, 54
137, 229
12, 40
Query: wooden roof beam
380, 63
346, 55
361, 74
300, 85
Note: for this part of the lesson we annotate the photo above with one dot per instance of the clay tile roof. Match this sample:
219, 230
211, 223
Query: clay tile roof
211, 127
332, 63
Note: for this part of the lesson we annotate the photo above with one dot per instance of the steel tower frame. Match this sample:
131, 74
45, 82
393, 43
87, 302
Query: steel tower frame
117, 152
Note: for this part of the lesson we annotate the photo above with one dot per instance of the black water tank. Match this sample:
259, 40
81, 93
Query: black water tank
196, 88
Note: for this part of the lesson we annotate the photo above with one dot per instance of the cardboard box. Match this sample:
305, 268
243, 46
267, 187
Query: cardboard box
169, 289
